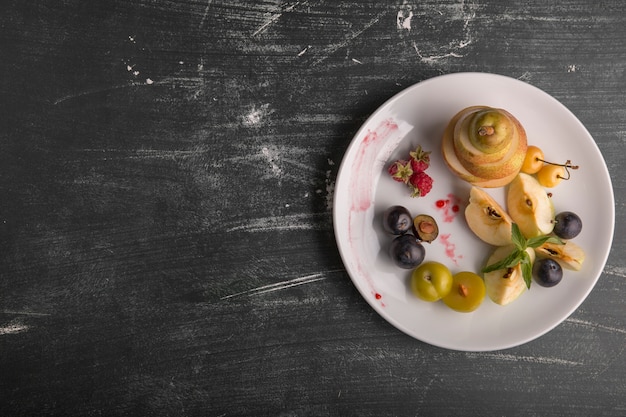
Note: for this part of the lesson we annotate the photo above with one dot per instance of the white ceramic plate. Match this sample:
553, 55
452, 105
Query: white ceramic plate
363, 190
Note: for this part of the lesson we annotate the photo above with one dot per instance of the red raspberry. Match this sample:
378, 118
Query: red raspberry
421, 183
420, 160
418, 166
400, 171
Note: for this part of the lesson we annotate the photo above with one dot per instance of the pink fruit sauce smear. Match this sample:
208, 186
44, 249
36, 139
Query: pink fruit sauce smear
362, 185
450, 248
365, 158
449, 207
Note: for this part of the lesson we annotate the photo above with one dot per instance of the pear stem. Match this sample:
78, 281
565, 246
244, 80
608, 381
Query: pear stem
486, 131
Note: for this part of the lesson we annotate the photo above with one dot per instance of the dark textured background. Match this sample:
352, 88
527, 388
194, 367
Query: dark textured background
166, 179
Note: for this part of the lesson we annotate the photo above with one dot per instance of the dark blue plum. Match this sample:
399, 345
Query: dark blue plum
406, 251
568, 225
547, 272
397, 220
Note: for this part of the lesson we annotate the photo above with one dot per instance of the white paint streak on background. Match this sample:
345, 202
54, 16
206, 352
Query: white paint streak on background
285, 163
307, 279
13, 328
206, 13
141, 154
404, 21
93, 91
615, 270
453, 49
433, 58
132, 69
530, 359
335, 47
189, 83
16, 325
257, 114
584, 323
272, 156
274, 17
330, 191
303, 221
25, 313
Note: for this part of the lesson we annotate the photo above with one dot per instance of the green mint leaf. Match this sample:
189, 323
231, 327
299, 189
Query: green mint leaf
517, 237
527, 269
525, 258
535, 242
510, 261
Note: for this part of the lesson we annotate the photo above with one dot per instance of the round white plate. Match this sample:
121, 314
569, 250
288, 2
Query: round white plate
363, 190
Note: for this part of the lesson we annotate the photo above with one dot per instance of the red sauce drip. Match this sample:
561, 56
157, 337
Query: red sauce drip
449, 207
378, 296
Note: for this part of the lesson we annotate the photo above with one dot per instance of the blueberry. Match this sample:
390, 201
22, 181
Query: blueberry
406, 251
568, 225
547, 272
397, 220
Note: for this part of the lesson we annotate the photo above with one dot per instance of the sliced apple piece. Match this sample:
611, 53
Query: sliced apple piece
505, 285
530, 206
487, 219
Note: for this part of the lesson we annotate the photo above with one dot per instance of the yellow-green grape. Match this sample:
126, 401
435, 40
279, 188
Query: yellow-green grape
431, 281
467, 293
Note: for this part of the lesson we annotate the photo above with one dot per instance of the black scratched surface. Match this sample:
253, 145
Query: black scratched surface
166, 180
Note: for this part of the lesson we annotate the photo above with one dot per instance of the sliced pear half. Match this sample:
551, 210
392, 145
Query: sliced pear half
505, 285
569, 255
530, 206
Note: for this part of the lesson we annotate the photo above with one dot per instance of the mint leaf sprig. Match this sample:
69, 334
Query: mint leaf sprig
519, 254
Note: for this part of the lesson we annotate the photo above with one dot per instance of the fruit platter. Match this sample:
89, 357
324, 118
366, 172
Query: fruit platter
474, 212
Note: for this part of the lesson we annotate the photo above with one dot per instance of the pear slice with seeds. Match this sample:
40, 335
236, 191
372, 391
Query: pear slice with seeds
487, 219
505, 285
569, 255
530, 206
